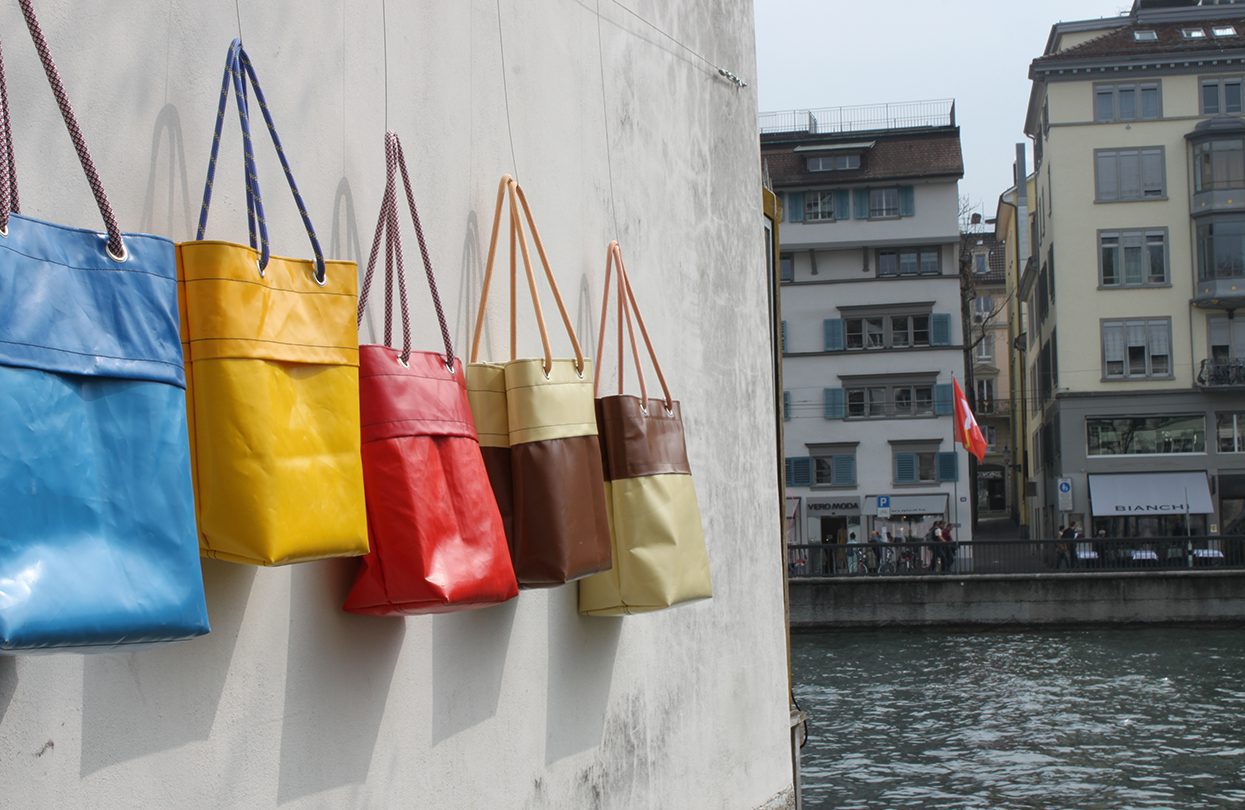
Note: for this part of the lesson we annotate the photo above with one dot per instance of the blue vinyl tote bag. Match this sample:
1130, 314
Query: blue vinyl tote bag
97, 536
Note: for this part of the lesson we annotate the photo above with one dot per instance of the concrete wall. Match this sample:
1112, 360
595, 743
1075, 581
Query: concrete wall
291, 701
1020, 600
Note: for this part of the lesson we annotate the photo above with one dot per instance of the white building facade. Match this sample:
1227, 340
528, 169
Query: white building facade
872, 329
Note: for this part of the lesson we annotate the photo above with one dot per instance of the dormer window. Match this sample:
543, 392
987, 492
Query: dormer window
834, 163
1146, 36
1223, 30
1193, 33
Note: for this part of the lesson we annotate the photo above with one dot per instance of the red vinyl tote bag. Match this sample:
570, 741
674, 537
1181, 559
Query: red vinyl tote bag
436, 537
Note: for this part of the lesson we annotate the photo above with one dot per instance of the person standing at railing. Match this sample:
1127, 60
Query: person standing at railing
1064, 555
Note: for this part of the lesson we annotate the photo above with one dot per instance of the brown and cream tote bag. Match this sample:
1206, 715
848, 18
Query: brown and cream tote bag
538, 430
660, 558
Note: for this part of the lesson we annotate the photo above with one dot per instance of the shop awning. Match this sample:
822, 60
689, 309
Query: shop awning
1175, 493
910, 504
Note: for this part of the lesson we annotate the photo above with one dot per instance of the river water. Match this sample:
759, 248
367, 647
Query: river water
1092, 718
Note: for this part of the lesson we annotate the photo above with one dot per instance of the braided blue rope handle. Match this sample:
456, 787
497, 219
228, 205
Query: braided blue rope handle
239, 69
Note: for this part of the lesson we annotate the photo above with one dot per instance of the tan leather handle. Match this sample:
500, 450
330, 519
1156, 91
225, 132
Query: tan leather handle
626, 308
509, 189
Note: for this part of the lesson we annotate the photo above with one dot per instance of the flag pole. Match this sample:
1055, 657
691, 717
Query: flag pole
955, 482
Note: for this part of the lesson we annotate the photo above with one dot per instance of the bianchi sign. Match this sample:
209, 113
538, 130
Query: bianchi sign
1151, 508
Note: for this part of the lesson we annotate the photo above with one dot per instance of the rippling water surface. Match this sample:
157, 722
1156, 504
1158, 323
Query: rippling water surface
1102, 718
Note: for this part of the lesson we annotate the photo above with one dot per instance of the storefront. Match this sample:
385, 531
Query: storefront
911, 516
833, 522
1151, 504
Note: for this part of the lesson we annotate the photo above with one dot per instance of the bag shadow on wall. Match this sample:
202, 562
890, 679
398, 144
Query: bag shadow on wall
470, 280
344, 237
8, 683
584, 325
469, 652
163, 697
582, 651
161, 201
339, 670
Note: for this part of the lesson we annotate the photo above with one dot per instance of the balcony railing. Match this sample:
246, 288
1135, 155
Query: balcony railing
1056, 556
862, 118
1221, 374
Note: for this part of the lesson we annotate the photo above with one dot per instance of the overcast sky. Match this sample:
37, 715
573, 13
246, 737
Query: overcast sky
831, 53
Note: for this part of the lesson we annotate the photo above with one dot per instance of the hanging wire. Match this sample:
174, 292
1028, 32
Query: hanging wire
501, 43
384, 26
605, 120
238, 13
721, 71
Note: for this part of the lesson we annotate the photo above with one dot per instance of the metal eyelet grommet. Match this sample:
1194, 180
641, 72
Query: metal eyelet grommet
125, 254
260, 268
546, 370
4, 231
579, 370
320, 280
669, 409
449, 367
643, 410
406, 363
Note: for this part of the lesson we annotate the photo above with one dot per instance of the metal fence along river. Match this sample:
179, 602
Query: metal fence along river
1101, 718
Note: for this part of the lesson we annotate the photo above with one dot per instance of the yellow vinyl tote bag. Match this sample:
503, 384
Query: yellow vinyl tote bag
659, 548
538, 431
272, 355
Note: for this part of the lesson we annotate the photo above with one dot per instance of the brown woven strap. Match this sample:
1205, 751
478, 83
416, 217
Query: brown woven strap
116, 246
8, 168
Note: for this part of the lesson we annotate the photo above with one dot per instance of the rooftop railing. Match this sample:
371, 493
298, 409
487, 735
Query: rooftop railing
861, 118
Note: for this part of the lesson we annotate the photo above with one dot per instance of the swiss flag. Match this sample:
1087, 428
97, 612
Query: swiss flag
966, 431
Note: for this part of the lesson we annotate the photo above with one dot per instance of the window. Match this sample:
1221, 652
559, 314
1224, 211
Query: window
887, 331
1145, 435
1129, 174
786, 267
834, 467
833, 163
1126, 102
992, 437
1221, 96
883, 202
1132, 258
819, 206
985, 348
910, 262
1223, 31
1193, 33
985, 395
1136, 349
1219, 164
1226, 338
1221, 248
1146, 36
983, 308
981, 263
1230, 428
891, 400
920, 463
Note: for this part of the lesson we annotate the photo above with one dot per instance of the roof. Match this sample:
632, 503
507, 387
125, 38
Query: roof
1120, 42
996, 257
911, 155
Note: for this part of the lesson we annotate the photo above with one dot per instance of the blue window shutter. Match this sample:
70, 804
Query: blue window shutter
943, 405
833, 328
795, 206
843, 469
948, 467
940, 329
905, 468
799, 471
786, 406
842, 204
907, 201
783, 337
834, 403
861, 196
